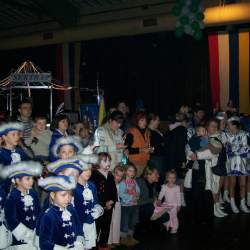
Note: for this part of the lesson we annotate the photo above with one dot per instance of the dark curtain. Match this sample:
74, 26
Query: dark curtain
158, 68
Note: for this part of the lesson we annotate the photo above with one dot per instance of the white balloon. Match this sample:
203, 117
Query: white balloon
185, 10
202, 25
178, 24
191, 17
188, 29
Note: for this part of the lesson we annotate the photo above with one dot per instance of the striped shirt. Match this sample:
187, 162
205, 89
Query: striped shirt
28, 125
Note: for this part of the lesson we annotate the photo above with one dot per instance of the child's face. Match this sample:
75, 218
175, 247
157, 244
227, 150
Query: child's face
171, 179
118, 176
70, 172
40, 125
61, 198
201, 131
105, 164
12, 138
85, 175
66, 152
25, 183
130, 173
63, 125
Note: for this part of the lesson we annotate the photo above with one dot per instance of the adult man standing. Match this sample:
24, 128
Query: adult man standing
25, 111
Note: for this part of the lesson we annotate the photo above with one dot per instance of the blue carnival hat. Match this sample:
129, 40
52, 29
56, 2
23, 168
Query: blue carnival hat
57, 183
20, 169
5, 128
73, 141
59, 165
234, 118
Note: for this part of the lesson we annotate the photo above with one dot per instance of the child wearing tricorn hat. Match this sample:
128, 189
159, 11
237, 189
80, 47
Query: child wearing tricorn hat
85, 201
22, 204
60, 227
11, 152
67, 147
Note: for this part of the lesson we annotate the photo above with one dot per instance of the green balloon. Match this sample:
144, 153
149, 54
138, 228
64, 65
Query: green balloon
195, 26
176, 11
182, 2
199, 16
184, 20
198, 35
179, 31
196, 2
194, 8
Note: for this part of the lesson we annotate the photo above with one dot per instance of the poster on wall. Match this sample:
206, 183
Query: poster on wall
89, 112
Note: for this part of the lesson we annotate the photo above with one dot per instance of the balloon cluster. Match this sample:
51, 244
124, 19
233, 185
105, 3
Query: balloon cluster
190, 18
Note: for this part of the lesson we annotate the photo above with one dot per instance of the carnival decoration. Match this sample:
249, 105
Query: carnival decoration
190, 16
29, 77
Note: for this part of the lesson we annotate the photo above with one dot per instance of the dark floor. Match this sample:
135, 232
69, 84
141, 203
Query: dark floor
230, 233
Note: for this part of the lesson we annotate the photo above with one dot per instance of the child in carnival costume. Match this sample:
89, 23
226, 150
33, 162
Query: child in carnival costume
11, 152
60, 228
22, 207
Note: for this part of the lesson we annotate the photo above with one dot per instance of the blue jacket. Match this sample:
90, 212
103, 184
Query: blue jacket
56, 231
2, 202
83, 204
6, 158
16, 211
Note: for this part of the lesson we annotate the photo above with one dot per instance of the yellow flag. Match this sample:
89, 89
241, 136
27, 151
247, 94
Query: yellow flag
102, 112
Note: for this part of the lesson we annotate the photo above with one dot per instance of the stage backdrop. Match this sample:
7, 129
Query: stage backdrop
229, 69
159, 69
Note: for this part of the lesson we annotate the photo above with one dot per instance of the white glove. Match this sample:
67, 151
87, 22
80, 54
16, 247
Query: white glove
78, 245
57, 247
29, 237
97, 211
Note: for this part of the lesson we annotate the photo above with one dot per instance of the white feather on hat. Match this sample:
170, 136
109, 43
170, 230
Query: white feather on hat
234, 118
55, 183
221, 116
56, 165
10, 126
69, 140
88, 158
22, 168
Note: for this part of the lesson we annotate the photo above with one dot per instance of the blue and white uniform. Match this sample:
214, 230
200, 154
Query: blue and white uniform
237, 153
60, 228
21, 213
22, 209
5, 234
85, 202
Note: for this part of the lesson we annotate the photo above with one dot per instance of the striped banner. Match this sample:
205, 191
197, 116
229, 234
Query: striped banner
68, 71
229, 69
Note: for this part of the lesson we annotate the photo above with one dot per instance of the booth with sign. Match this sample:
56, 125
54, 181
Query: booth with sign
30, 77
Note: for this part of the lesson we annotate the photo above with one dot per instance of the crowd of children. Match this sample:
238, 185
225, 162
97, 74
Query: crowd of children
58, 193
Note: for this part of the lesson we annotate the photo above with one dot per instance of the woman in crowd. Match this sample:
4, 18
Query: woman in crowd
148, 196
59, 128
138, 142
109, 138
157, 143
237, 151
